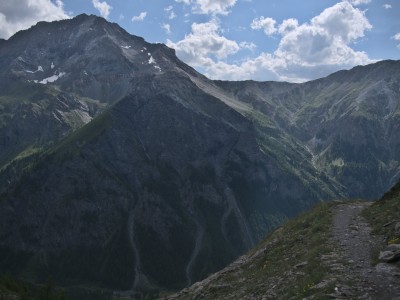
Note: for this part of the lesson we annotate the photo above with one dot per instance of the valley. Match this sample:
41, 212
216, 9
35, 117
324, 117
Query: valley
124, 169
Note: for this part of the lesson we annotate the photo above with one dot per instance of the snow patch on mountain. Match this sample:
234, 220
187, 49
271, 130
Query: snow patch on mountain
151, 60
51, 78
39, 69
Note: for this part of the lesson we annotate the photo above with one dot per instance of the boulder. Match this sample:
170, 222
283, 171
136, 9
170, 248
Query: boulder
391, 254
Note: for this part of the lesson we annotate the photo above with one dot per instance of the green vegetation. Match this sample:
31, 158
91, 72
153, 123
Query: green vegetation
12, 289
84, 135
287, 264
384, 214
26, 153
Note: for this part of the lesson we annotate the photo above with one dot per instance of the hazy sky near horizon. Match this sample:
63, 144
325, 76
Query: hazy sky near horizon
287, 40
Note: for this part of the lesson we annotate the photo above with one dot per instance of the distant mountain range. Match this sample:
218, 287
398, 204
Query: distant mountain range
122, 167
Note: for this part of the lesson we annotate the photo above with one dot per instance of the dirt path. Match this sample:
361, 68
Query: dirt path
358, 278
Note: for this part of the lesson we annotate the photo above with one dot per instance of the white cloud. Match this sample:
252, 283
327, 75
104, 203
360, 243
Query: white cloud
386, 6
171, 13
287, 26
167, 28
266, 24
103, 7
306, 51
396, 37
213, 7
204, 44
140, 17
324, 44
187, 2
248, 45
344, 21
21, 14
358, 2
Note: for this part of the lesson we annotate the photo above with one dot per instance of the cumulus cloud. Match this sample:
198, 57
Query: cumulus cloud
187, 2
103, 7
266, 24
263, 67
247, 45
21, 14
213, 7
203, 44
386, 6
288, 25
358, 2
324, 44
306, 51
140, 17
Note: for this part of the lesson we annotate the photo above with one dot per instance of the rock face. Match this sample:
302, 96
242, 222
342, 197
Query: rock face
86, 55
173, 176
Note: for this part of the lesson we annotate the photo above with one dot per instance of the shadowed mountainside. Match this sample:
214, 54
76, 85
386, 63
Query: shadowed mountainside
122, 167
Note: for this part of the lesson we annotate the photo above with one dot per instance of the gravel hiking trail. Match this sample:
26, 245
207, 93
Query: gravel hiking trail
358, 277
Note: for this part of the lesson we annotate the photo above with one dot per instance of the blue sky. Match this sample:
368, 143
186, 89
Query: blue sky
287, 40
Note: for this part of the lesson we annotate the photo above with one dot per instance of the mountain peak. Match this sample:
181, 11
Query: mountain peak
87, 55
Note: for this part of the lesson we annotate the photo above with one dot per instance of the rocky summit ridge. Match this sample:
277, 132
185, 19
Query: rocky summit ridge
123, 168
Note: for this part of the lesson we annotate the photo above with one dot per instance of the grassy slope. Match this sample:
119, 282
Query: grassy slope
285, 265
384, 214
11, 289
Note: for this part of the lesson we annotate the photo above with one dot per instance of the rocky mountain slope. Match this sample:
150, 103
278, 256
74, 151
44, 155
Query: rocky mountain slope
348, 122
121, 167
340, 250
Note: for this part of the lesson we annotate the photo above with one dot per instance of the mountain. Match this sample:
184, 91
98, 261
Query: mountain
123, 168
348, 122
86, 55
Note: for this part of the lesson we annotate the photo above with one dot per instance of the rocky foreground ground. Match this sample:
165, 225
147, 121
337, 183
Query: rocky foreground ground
353, 259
